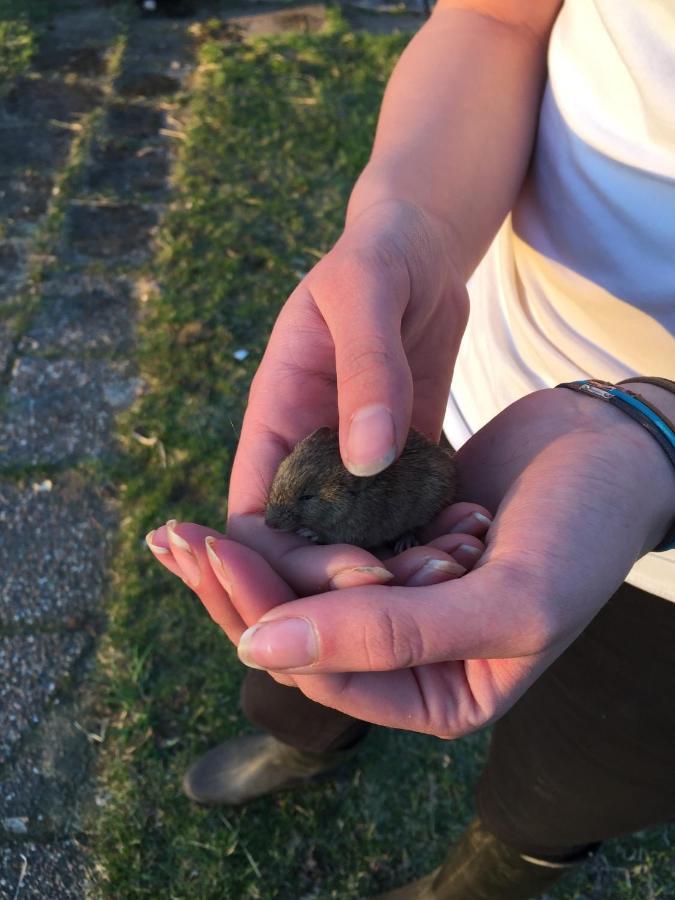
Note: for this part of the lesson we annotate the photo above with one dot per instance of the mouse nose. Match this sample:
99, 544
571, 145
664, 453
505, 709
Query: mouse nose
274, 517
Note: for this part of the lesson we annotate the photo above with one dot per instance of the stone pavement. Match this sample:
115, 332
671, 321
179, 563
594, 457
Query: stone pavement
84, 160
86, 141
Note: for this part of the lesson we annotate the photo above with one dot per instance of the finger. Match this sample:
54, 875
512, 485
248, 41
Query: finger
464, 549
306, 567
159, 546
447, 700
459, 518
374, 381
380, 628
186, 542
424, 565
293, 393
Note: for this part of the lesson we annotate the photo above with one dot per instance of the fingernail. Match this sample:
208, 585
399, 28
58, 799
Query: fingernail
466, 555
217, 564
359, 575
183, 555
470, 522
371, 442
467, 548
285, 644
435, 570
154, 547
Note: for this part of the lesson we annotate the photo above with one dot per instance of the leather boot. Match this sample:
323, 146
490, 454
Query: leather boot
481, 867
254, 765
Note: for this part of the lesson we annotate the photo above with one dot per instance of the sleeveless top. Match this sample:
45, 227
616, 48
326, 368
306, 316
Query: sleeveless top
580, 280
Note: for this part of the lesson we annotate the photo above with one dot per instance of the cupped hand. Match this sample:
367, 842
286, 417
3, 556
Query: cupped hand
367, 341
580, 492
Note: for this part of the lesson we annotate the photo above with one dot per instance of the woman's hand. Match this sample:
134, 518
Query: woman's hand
580, 491
367, 340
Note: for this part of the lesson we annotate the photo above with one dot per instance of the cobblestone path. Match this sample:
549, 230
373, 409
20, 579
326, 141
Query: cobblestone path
85, 143
86, 139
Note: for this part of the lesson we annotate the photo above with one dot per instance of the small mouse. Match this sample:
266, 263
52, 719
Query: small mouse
315, 496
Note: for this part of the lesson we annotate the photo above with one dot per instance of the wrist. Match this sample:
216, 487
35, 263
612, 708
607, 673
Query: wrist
652, 473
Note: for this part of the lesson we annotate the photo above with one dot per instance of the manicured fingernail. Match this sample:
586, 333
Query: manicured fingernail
359, 575
155, 547
467, 548
470, 522
435, 570
183, 555
217, 564
371, 443
285, 644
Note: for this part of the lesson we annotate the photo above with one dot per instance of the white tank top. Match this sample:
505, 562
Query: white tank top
580, 280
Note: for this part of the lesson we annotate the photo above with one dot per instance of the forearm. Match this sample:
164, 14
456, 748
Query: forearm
458, 120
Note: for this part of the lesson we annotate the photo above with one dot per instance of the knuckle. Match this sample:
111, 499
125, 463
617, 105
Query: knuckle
364, 361
394, 642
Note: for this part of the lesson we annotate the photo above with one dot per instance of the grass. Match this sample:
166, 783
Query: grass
19, 33
278, 130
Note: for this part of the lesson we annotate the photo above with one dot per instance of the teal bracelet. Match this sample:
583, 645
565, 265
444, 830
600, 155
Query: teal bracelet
660, 428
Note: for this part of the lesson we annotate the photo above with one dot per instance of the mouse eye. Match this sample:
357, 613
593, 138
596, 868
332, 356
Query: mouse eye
304, 497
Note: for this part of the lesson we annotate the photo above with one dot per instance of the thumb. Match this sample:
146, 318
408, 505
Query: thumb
362, 303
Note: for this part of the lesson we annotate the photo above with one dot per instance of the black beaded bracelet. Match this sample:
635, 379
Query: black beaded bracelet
660, 427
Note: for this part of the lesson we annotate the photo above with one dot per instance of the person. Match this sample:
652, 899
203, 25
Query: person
550, 191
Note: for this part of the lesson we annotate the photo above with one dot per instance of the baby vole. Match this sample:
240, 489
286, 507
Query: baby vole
314, 495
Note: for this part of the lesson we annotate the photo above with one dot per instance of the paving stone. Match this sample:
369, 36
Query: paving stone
44, 871
361, 19
24, 145
12, 269
23, 199
8, 333
10, 258
128, 170
87, 61
60, 411
146, 84
109, 231
55, 539
308, 18
95, 25
133, 120
44, 99
158, 41
40, 787
31, 669
88, 320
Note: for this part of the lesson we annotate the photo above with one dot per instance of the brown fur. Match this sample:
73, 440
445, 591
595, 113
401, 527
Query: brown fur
315, 495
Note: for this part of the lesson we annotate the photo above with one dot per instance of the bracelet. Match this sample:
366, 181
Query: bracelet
642, 412
664, 383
